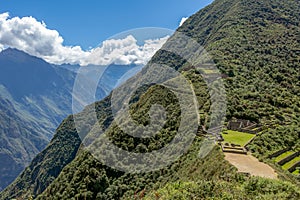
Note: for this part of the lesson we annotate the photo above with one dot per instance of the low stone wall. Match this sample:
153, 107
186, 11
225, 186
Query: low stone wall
242, 126
289, 158
233, 151
293, 168
278, 153
252, 131
237, 150
246, 145
233, 148
249, 131
251, 126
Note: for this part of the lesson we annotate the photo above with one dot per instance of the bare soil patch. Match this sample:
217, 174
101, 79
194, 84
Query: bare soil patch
251, 165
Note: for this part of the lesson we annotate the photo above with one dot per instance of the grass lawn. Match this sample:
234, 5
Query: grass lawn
235, 137
287, 165
296, 172
284, 155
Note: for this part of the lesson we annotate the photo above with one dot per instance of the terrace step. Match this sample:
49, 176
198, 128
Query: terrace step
238, 150
234, 151
278, 153
234, 148
289, 158
294, 167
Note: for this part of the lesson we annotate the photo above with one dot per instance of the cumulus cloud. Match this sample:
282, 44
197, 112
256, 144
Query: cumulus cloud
183, 20
124, 51
33, 37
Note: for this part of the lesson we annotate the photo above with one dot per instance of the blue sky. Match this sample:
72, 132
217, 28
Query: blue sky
87, 23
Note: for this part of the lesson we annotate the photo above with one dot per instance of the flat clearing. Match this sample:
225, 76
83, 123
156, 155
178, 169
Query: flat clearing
251, 165
235, 137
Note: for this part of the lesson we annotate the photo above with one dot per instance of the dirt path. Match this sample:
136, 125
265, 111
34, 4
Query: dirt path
250, 164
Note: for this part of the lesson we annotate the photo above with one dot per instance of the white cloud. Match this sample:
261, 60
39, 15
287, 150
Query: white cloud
1, 47
183, 20
33, 37
124, 51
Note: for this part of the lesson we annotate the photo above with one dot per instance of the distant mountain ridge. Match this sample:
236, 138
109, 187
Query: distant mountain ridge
13, 142
35, 97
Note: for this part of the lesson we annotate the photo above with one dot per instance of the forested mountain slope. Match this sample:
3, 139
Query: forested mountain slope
35, 97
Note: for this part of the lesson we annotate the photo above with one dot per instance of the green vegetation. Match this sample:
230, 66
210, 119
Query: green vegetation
14, 155
31, 108
296, 172
256, 46
286, 166
47, 165
238, 138
60, 152
275, 139
253, 188
289, 164
284, 155
104, 183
